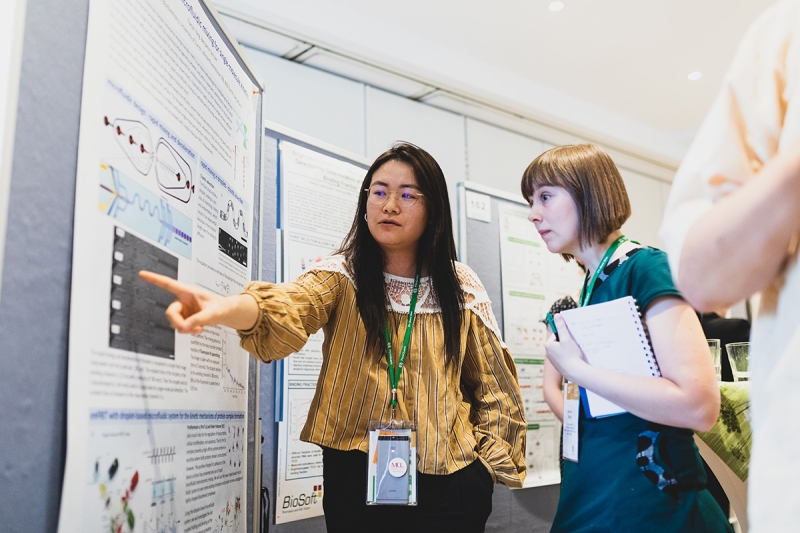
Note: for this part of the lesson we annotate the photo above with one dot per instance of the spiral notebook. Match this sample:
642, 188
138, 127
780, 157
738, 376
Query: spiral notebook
612, 336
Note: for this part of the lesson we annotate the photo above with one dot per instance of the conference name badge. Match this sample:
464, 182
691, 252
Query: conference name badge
572, 400
398, 467
391, 468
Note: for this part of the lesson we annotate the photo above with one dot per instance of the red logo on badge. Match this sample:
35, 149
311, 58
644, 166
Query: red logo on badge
397, 467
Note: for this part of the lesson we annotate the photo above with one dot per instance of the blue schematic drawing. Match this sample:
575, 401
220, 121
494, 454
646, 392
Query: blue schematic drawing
163, 514
137, 207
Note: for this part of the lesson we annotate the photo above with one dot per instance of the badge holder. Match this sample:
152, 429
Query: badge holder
392, 465
572, 405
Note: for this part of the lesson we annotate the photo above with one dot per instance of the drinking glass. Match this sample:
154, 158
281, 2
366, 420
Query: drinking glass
713, 347
739, 356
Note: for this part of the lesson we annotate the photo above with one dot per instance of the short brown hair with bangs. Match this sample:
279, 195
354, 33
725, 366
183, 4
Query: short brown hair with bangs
592, 180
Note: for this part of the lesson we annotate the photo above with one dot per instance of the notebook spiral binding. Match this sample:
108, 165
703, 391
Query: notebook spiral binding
647, 342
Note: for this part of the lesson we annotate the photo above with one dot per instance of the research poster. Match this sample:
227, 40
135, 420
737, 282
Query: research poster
532, 279
156, 436
318, 201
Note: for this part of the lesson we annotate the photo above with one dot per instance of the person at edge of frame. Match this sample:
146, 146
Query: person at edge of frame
458, 384
639, 470
732, 232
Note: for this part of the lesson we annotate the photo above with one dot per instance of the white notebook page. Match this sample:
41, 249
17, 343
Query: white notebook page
612, 337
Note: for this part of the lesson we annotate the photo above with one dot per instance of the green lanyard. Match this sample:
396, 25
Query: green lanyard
586, 292
394, 377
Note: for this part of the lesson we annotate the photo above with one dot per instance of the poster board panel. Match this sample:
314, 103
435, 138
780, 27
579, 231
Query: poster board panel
318, 190
160, 426
522, 279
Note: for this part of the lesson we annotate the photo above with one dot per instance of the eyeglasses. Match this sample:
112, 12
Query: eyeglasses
406, 197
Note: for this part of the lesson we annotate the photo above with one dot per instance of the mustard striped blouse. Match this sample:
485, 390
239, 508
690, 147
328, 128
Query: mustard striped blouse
462, 412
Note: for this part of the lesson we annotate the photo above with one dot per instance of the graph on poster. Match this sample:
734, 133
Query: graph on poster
303, 460
163, 516
298, 413
234, 363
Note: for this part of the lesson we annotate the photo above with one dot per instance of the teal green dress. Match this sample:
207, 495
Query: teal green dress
633, 475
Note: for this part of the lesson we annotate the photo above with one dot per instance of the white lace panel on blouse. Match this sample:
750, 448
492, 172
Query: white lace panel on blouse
476, 299
333, 263
400, 289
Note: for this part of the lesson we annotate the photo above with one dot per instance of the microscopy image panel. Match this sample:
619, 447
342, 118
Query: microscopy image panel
137, 321
230, 246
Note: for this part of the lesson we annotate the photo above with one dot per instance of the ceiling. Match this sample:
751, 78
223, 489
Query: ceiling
631, 57
611, 71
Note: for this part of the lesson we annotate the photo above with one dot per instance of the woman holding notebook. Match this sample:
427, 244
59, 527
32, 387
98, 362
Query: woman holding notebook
637, 470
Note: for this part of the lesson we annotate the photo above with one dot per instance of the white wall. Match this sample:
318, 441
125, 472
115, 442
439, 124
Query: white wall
497, 157
393, 118
366, 121
11, 34
648, 198
347, 31
324, 106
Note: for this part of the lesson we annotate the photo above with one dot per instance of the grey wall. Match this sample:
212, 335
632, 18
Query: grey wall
37, 267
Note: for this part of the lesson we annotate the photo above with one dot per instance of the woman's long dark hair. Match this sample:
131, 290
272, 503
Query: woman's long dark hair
436, 252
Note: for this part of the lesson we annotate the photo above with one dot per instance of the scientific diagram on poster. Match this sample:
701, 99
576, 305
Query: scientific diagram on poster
138, 208
167, 160
136, 484
161, 160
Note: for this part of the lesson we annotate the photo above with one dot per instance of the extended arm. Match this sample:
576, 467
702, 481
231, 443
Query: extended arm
195, 307
686, 395
274, 320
